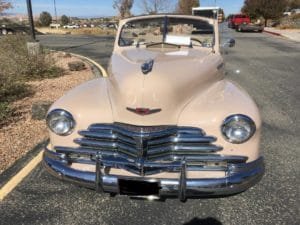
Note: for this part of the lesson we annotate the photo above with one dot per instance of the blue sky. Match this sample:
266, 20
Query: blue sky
91, 8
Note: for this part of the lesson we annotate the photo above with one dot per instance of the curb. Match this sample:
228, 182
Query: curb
95, 65
286, 37
273, 33
97, 69
15, 174
21, 163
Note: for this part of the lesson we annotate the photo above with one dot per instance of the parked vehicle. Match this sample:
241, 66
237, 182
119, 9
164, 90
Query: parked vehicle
103, 26
164, 123
287, 13
295, 11
291, 12
72, 26
250, 28
236, 20
13, 29
111, 25
55, 25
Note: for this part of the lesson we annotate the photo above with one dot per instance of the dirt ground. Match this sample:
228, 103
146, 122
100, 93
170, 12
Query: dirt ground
19, 137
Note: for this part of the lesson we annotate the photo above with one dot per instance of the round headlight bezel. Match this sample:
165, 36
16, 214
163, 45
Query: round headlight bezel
61, 113
238, 118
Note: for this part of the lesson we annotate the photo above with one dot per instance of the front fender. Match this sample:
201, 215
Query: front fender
208, 110
88, 103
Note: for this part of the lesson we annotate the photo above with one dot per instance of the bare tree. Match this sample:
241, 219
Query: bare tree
4, 5
185, 6
124, 7
155, 6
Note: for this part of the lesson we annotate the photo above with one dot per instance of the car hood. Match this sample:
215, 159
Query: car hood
176, 78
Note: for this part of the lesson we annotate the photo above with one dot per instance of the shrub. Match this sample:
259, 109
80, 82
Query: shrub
290, 22
65, 20
296, 16
10, 90
45, 19
15, 62
5, 112
17, 67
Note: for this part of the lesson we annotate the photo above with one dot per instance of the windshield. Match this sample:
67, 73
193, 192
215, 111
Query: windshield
176, 31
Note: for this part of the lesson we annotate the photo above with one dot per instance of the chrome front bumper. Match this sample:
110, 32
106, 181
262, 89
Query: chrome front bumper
239, 178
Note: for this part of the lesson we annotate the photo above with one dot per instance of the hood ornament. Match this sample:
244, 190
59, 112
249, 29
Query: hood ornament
143, 111
147, 66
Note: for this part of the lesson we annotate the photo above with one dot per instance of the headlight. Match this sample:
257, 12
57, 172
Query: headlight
238, 129
60, 122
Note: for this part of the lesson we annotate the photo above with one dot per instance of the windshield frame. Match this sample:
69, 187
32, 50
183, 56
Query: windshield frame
166, 17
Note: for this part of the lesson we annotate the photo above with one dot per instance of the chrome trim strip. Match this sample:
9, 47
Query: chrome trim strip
173, 157
123, 131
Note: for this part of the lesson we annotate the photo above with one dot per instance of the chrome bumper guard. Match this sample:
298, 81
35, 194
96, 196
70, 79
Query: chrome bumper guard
239, 178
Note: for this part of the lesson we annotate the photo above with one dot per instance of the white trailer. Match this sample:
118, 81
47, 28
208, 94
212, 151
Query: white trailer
214, 12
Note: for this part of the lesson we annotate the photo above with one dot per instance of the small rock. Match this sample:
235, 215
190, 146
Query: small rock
39, 110
67, 55
76, 66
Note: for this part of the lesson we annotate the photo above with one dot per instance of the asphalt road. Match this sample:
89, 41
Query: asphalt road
94, 47
268, 68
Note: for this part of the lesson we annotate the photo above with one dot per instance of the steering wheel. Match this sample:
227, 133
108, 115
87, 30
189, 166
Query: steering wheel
196, 40
162, 43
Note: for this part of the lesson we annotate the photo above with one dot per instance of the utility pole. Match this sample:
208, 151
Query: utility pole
30, 19
33, 46
55, 11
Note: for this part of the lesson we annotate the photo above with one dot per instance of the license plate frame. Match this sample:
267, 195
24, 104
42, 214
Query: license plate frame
138, 188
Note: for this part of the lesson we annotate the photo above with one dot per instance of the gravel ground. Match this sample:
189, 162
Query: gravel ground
19, 137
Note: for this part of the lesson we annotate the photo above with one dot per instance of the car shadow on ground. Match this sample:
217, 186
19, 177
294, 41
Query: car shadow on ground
206, 221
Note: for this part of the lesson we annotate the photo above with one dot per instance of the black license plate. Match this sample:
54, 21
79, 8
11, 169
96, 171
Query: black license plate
138, 188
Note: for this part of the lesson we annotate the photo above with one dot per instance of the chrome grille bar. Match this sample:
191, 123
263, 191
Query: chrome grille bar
149, 150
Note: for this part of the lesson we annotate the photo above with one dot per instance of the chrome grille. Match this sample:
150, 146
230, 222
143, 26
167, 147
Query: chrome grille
149, 150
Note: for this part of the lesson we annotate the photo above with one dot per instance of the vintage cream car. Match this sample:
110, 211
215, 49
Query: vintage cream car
164, 123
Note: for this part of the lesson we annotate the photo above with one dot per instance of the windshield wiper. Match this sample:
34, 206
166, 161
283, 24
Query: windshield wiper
139, 43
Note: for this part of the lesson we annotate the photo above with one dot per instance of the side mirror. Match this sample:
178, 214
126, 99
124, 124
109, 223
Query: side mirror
230, 43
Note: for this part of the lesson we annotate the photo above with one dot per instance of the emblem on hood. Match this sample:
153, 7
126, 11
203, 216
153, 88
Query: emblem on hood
143, 111
147, 66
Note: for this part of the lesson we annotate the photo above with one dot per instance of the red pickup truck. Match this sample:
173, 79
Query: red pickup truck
235, 20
